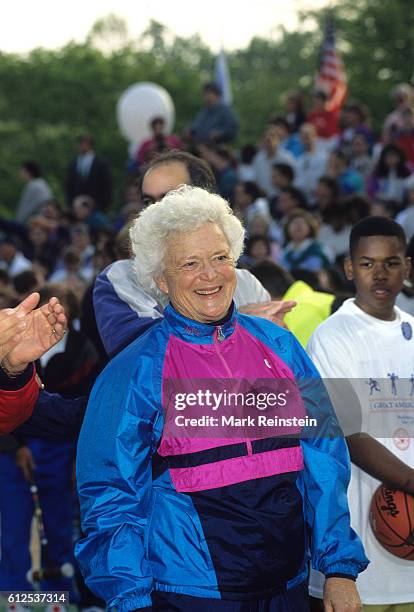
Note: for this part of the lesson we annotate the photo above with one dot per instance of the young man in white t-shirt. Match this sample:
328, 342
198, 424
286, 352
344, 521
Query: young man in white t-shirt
370, 342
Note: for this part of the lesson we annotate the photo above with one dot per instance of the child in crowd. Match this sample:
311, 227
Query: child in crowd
303, 249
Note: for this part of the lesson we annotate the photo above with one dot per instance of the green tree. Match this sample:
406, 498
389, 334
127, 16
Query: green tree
263, 73
49, 96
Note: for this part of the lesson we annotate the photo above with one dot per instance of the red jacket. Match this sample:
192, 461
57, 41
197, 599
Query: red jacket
325, 122
17, 399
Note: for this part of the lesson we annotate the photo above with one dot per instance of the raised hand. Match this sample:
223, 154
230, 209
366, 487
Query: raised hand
44, 327
274, 310
12, 326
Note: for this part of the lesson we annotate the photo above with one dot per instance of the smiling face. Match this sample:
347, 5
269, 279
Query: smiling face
378, 268
199, 276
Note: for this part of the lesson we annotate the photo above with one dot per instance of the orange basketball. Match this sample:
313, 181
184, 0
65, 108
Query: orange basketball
392, 520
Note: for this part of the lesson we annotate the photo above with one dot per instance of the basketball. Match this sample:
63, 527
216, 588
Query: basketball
392, 520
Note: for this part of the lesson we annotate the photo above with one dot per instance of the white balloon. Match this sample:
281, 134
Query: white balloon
138, 105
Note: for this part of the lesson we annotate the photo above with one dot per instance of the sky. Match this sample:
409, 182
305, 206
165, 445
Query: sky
26, 24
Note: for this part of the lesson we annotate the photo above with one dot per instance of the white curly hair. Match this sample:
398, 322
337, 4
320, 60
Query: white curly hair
183, 210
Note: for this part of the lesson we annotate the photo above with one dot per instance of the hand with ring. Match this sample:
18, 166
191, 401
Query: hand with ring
11, 329
38, 329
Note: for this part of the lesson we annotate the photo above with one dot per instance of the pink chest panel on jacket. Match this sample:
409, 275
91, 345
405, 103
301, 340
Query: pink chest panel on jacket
239, 360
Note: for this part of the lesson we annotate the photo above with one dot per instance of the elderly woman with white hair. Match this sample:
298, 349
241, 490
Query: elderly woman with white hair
179, 518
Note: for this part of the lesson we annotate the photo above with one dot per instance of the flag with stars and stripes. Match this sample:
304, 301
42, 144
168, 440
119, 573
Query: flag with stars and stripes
331, 77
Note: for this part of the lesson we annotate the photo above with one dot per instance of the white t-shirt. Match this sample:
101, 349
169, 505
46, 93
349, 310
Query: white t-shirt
379, 357
262, 167
309, 168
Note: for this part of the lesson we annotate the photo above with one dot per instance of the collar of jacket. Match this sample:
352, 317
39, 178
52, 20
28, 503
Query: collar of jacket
200, 333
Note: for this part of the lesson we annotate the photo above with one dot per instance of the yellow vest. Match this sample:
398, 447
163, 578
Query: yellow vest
312, 308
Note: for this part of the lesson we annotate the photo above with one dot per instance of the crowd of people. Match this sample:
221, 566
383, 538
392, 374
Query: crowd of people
299, 190
315, 181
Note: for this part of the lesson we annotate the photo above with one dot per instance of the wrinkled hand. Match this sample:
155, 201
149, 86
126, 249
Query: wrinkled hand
25, 461
44, 327
11, 328
341, 595
274, 310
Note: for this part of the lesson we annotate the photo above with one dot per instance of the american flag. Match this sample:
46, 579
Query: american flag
331, 77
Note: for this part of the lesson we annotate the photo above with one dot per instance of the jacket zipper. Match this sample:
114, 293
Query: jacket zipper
220, 337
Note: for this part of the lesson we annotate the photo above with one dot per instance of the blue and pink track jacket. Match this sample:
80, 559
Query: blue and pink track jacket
224, 519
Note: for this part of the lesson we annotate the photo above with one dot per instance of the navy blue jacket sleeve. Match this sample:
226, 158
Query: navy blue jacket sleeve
54, 417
